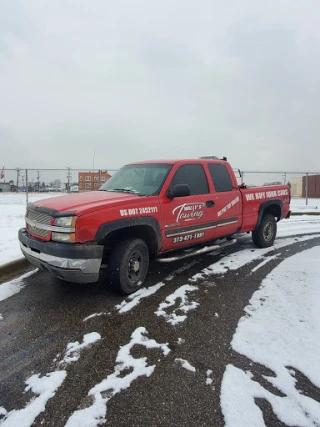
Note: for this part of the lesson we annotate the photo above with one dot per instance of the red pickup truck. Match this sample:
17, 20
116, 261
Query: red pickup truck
144, 212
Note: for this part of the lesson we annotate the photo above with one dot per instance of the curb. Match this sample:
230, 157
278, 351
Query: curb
14, 268
305, 213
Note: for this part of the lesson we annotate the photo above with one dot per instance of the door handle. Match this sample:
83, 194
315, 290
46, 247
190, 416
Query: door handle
210, 203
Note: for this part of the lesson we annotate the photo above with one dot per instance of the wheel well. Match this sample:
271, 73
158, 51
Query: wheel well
274, 210
143, 232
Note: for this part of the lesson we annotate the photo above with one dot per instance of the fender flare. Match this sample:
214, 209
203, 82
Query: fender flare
105, 229
265, 205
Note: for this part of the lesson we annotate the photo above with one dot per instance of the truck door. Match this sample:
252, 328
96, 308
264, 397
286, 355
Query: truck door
227, 200
187, 220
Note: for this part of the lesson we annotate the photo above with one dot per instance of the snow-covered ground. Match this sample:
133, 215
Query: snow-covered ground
281, 332
13, 208
300, 205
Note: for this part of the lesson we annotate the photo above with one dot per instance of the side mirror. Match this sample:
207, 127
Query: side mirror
179, 190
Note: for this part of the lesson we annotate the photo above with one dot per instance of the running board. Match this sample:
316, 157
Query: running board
198, 252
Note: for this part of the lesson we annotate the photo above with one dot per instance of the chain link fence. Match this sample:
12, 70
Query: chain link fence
33, 184
305, 186
42, 183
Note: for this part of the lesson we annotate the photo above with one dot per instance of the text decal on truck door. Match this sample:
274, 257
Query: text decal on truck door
189, 211
229, 206
138, 211
267, 194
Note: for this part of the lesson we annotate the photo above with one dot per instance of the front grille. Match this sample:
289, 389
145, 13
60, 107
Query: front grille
41, 218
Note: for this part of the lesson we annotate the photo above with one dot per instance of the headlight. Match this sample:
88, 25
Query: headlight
66, 221
64, 237
64, 229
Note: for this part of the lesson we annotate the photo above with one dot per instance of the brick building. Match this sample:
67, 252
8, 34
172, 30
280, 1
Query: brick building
91, 181
313, 186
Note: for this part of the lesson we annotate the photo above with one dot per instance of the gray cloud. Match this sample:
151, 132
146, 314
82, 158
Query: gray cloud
139, 80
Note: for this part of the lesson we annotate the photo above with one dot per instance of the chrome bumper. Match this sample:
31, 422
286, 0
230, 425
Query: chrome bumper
87, 266
69, 262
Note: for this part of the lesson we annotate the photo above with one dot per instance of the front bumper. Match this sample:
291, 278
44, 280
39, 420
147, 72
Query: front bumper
70, 262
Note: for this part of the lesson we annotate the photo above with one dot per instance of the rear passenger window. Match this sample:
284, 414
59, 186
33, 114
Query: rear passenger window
220, 177
194, 176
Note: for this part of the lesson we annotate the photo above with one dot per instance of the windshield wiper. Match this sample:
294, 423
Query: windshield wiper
125, 190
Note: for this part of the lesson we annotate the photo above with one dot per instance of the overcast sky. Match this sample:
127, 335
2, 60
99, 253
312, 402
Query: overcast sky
141, 79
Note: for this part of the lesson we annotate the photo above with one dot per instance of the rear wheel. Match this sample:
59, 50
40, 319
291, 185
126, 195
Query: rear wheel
265, 234
128, 265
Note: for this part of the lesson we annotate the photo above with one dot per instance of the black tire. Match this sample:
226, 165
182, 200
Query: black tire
128, 265
265, 234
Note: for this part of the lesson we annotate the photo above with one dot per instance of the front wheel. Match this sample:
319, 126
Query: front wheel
265, 234
128, 265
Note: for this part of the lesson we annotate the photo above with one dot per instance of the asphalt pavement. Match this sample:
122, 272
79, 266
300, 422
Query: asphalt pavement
46, 315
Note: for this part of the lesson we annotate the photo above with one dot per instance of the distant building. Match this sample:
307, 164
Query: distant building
7, 187
313, 186
92, 181
296, 187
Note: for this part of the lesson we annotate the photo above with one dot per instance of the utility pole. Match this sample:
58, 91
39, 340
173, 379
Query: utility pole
68, 178
38, 178
27, 187
18, 176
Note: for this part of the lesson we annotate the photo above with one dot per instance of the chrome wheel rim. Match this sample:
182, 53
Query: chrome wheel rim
268, 231
135, 267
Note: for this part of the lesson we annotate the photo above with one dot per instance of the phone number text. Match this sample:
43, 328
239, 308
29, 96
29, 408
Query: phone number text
187, 237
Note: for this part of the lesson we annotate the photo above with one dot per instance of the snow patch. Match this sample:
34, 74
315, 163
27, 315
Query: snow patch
237, 260
115, 383
14, 286
270, 258
94, 315
181, 294
2, 411
186, 365
45, 388
196, 277
72, 353
209, 380
135, 298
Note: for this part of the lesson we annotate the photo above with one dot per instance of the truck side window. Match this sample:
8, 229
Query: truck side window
220, 177
194, 176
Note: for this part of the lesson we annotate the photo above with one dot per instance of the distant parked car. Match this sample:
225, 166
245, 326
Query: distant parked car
273, 183
74, 189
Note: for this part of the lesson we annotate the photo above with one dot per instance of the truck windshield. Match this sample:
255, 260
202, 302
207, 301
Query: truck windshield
143, 180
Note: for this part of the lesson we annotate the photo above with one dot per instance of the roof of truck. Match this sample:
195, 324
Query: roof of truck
173, 161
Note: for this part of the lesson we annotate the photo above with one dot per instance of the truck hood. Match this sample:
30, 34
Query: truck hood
82, 203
